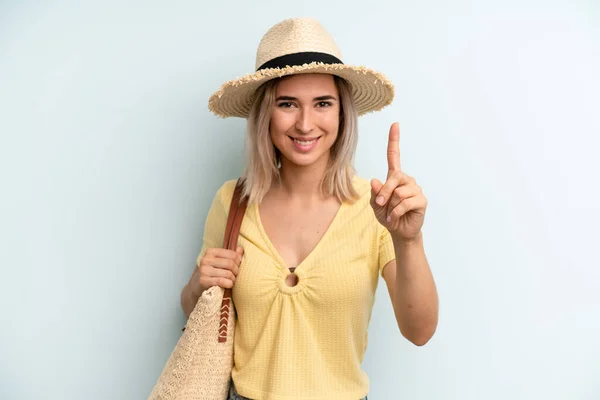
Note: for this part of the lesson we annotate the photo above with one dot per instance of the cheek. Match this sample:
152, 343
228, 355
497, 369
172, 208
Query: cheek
330, 116
332, 123
277, 131
279, 124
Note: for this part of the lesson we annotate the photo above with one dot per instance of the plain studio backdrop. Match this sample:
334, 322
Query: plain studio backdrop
110, 160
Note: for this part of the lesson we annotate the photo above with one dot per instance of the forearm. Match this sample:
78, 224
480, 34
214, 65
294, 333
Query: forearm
189, 296
415, 297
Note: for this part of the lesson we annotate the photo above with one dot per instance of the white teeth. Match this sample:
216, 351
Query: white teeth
305, 143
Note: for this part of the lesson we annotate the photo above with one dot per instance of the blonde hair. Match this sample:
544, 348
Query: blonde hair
262, 167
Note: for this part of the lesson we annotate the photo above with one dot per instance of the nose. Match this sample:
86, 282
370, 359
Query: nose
304, 121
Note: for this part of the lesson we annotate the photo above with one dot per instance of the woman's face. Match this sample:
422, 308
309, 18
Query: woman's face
306, 118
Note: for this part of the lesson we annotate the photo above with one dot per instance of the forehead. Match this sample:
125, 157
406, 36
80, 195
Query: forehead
308, 84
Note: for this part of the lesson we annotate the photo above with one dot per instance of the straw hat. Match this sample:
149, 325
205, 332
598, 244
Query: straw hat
300, 46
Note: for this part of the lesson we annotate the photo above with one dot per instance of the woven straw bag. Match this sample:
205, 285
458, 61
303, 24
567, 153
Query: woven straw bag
199, 367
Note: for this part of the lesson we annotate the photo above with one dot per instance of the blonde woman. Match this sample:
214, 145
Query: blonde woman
315, 238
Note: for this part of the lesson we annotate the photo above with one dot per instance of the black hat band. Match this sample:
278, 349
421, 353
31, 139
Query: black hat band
296, 59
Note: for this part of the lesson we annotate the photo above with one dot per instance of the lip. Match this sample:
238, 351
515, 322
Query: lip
305, 149
305, 139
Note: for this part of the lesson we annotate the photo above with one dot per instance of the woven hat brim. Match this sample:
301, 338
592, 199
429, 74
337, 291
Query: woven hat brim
372, 91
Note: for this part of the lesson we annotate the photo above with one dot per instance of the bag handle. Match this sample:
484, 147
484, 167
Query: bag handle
237, 209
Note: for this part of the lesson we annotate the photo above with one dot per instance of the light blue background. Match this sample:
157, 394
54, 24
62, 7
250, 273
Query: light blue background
110, 159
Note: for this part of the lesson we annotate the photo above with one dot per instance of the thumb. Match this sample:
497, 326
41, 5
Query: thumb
376, 186
239, 250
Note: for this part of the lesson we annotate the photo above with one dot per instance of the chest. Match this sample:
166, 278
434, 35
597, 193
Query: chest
340, 270
296, 231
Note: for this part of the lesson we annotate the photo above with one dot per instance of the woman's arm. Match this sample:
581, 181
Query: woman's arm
217, 267
412, 291
400, 206
191, 293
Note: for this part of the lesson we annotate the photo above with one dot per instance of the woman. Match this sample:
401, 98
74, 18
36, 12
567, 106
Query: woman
315, 237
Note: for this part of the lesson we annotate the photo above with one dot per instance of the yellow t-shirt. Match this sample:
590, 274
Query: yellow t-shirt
306, 341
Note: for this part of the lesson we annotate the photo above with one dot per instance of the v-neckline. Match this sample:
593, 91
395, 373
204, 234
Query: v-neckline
273, 249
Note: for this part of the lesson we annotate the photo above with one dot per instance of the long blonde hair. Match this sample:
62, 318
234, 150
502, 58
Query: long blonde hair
262, 167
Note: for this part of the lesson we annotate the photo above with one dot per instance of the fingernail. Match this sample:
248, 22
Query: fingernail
389, 218
380, 200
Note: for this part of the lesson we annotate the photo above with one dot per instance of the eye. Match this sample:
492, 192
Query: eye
324, 104
285, 104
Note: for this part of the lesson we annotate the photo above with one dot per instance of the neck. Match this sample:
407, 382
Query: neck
303, 182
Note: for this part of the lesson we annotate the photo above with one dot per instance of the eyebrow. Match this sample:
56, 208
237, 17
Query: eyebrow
320, 98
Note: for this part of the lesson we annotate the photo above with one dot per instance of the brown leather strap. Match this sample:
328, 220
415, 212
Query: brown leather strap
237, 210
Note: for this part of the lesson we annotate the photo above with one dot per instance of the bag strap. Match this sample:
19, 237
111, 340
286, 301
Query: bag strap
237, 209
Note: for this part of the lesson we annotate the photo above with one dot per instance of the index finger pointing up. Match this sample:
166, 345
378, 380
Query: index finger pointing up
393, 151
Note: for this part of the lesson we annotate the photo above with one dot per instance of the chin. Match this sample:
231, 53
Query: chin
302, 161
307, 161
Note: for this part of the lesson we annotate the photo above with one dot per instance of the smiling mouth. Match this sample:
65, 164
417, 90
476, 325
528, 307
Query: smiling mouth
305, 142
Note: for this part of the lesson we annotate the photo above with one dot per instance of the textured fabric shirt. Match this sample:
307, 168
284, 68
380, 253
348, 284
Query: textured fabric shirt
306, 341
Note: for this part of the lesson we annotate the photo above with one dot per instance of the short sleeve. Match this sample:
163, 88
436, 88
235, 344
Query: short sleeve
216, 220
386, 248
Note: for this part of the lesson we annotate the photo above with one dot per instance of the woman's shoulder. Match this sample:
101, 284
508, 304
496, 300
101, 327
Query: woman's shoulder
362, 187
361, 209
224, 194
227, 188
